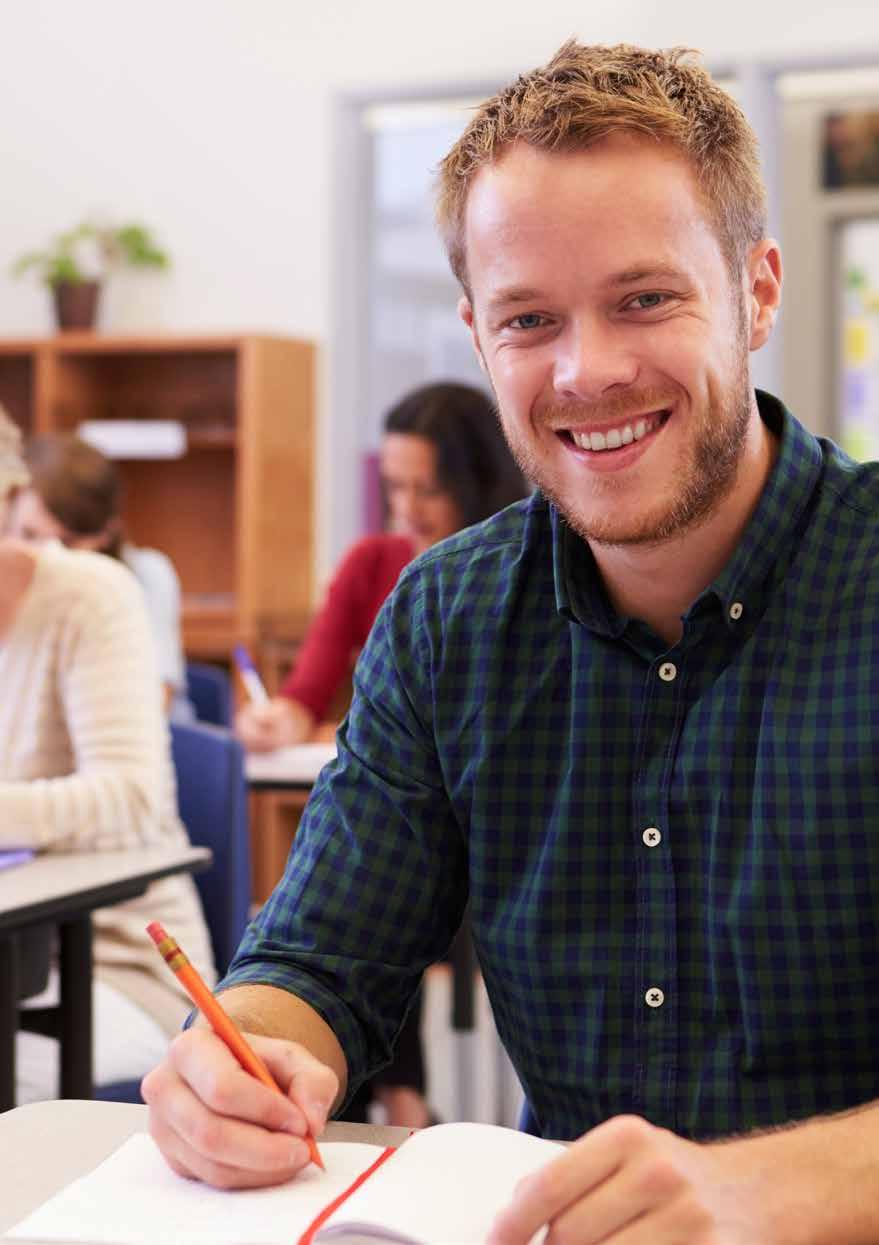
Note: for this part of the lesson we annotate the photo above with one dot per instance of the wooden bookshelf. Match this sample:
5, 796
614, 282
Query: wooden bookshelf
235, 513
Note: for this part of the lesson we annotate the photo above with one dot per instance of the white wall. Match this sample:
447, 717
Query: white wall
211, 121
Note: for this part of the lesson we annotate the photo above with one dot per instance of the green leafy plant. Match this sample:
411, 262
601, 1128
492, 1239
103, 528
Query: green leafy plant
66, 259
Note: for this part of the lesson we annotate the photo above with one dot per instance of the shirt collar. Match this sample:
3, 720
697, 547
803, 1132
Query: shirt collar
770, 534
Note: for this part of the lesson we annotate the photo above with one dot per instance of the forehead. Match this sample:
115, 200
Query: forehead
535, 215
407, 456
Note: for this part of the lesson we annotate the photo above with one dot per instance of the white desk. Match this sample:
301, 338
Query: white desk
46, 1145
64, 889
287, 769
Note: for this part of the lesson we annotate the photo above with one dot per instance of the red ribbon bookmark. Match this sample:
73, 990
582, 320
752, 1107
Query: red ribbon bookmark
317, 1223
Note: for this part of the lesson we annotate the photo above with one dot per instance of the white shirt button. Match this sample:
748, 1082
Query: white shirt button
652, 836
654, 997
668, 671
735, 611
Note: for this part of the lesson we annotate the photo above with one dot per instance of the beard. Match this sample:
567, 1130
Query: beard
705, 473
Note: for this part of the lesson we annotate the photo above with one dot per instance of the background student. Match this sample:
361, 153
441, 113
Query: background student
85, 766
444, 465
74, 496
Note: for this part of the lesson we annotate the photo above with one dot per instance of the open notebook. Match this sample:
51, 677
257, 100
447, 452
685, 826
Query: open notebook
444, 1186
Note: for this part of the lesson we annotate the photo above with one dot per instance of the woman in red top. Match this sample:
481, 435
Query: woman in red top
444, 465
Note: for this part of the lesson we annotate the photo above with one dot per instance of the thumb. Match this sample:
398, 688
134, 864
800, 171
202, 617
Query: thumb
312, 1085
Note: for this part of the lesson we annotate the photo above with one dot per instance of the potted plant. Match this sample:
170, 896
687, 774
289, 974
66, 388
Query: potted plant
76, 263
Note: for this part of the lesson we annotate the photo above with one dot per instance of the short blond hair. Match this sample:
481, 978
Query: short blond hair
13, 472
586, 93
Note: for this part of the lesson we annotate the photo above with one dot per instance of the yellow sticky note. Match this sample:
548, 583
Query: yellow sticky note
856, 341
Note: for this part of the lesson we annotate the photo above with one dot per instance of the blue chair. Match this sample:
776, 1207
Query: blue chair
210, 693
212, 797
527, 1122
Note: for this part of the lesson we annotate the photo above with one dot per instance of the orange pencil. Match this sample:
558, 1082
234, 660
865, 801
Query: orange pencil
221, 1024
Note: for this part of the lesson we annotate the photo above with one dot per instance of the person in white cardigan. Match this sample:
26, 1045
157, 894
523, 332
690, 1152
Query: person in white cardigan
85, 766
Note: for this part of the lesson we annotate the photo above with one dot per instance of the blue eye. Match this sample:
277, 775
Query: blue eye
649, 301
529, 320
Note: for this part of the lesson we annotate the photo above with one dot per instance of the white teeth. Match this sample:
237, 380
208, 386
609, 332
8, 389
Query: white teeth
614, 438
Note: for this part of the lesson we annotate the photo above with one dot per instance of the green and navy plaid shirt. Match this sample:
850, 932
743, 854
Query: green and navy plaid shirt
671, 854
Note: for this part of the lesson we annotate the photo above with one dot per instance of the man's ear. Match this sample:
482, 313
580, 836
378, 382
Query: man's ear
764, 291
465, 311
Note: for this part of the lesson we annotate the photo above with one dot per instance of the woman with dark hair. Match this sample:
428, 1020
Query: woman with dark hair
74, 496
444, 465
470, 458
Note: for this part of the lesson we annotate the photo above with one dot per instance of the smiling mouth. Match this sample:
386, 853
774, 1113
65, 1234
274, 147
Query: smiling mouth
619, 436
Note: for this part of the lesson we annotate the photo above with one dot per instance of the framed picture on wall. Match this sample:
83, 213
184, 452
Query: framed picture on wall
850, 152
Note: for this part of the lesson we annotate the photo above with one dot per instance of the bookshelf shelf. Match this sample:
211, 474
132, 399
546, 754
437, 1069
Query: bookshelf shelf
235, 512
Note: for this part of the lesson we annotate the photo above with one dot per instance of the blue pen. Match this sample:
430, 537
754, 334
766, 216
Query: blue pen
249, 677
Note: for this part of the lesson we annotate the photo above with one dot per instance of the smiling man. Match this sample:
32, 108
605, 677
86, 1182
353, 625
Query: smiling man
632, 719
616, 337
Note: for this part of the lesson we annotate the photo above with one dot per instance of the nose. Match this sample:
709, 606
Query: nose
593, 356
404, 505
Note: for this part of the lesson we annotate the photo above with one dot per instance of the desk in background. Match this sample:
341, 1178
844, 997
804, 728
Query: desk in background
287, 769
64, 889
46, 1145
279, 783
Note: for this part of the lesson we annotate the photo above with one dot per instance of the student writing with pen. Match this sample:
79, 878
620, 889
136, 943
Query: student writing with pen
631, 721
444, 465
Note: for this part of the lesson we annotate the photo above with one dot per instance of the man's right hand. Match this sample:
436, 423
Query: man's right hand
215, 1122
275, 724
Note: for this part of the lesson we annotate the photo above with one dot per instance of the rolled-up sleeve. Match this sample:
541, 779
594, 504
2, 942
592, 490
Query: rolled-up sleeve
376, 882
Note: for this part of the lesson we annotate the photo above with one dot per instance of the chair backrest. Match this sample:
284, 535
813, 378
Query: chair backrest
210, 691
212, 798
528, 1121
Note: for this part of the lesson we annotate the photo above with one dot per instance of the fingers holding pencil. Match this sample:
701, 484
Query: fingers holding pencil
215, 1122
235, 1110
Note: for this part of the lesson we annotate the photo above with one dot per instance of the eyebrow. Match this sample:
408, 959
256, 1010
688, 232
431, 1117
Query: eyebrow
645, 272
512, 294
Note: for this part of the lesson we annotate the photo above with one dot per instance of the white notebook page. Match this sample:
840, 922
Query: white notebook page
444, 1186
133, 1198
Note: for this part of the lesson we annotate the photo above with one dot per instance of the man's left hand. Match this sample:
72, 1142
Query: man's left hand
629, 1183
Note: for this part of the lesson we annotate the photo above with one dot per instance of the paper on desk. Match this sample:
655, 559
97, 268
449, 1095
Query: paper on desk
133, 1198
301, 763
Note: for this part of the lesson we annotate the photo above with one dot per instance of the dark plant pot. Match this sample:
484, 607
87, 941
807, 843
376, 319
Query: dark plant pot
76, 304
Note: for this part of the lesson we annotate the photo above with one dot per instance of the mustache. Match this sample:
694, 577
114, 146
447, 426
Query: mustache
615, 408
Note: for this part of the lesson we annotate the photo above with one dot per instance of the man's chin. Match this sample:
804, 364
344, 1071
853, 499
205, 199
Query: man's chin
634, 532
